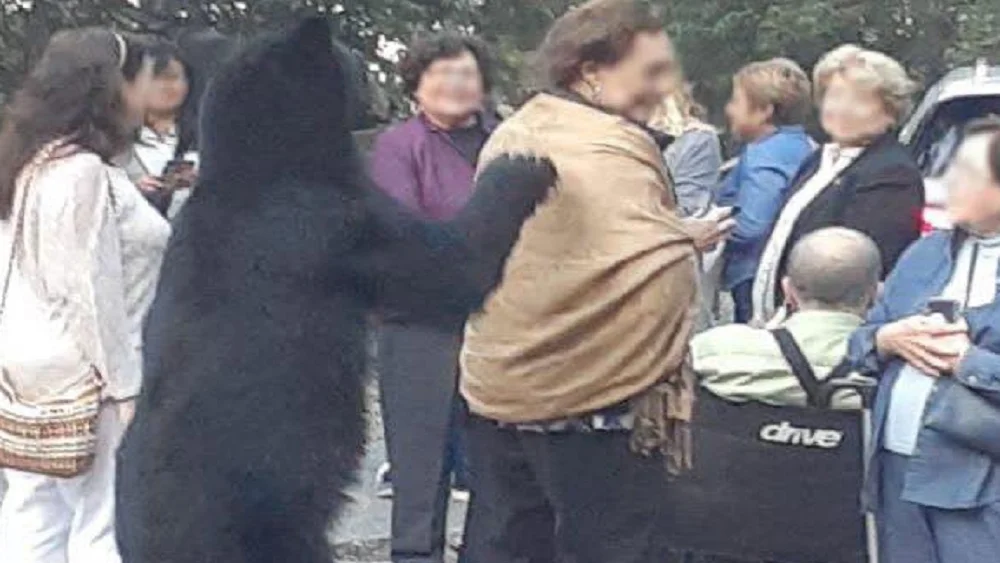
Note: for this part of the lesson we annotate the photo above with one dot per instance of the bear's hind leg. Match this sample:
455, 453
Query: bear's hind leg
285, 519
291, 540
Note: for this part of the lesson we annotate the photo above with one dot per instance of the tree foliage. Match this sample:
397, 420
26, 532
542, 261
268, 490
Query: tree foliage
714, 37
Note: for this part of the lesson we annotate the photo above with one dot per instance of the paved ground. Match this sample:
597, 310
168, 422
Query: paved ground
363, 533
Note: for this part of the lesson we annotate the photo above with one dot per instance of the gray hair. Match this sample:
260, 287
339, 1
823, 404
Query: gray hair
835, 268
870, 69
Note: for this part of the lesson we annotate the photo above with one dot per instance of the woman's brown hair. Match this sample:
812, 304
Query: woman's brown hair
429, 49
599, 31
780, 83
73, 93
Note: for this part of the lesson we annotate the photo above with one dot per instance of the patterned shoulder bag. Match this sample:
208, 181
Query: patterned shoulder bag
57, 438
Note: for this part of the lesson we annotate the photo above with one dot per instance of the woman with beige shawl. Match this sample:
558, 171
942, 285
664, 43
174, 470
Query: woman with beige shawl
573, 369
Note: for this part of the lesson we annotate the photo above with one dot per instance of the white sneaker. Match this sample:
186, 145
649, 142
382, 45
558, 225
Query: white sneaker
383, 481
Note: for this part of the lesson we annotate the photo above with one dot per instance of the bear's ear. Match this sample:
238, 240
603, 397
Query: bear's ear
313, 36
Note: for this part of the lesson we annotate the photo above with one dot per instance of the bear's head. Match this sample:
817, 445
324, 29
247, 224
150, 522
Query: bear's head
283, 108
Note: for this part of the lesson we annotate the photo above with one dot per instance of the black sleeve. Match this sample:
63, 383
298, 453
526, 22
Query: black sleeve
888, 209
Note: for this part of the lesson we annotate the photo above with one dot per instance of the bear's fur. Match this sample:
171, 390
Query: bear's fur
250, 422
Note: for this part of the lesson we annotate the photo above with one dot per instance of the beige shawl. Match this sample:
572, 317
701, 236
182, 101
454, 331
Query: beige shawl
598, 297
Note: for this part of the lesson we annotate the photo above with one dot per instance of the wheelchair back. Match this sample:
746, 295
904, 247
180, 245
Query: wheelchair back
771, 484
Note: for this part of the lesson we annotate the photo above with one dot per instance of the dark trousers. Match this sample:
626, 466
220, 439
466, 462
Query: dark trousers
561, 498
455, 463
418, 380
743, 302
911, 533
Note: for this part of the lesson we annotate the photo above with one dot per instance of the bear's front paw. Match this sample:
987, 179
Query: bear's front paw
520, 176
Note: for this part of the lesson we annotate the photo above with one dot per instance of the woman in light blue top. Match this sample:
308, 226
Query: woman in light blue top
935, 492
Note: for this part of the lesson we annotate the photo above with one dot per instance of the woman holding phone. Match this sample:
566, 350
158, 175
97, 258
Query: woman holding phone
933, 342
160, 162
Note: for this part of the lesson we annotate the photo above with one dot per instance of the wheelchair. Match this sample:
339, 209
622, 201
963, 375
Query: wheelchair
776, 483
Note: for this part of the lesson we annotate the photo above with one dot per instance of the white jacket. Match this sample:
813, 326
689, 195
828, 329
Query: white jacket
85, 276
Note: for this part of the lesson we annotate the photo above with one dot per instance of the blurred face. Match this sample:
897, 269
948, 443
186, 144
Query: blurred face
852, 114
638, 83
451, 89
973, 193
169, 89
672, 82
747, 121
136, 93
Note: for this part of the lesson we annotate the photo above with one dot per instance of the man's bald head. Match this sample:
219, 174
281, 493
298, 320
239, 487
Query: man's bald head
834, 269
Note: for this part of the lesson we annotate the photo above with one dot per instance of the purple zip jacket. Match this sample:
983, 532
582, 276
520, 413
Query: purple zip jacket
419, 165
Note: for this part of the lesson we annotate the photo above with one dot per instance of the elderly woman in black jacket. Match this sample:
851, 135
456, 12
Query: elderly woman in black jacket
863, 179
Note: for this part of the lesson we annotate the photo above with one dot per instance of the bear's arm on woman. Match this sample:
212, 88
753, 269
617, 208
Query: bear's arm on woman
440, 272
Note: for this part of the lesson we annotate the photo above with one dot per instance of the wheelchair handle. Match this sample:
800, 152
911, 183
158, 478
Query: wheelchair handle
864, 386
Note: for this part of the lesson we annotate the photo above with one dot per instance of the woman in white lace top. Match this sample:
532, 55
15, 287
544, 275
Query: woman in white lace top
87, 251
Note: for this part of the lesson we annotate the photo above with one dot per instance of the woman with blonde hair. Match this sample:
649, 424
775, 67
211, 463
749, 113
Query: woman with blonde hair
863, 179
694, 157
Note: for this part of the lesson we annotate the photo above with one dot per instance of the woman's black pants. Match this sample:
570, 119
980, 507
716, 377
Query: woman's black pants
418, 379
561, 497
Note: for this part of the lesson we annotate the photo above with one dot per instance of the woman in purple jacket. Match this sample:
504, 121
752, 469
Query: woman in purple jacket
428, 163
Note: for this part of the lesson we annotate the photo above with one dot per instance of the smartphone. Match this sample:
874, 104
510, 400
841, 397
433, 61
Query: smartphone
176, 174
716, 213
947, 308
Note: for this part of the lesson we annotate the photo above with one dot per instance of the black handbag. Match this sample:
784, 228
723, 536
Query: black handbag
965, 415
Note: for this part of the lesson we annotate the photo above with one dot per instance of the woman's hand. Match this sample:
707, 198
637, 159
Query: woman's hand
186, 178
710, 230
928, 343
182, 177
957, 343
151, 185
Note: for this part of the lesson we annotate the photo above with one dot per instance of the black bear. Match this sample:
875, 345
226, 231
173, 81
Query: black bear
250, 423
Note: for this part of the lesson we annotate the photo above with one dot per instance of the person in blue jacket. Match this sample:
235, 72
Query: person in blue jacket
770, 102
935, 491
